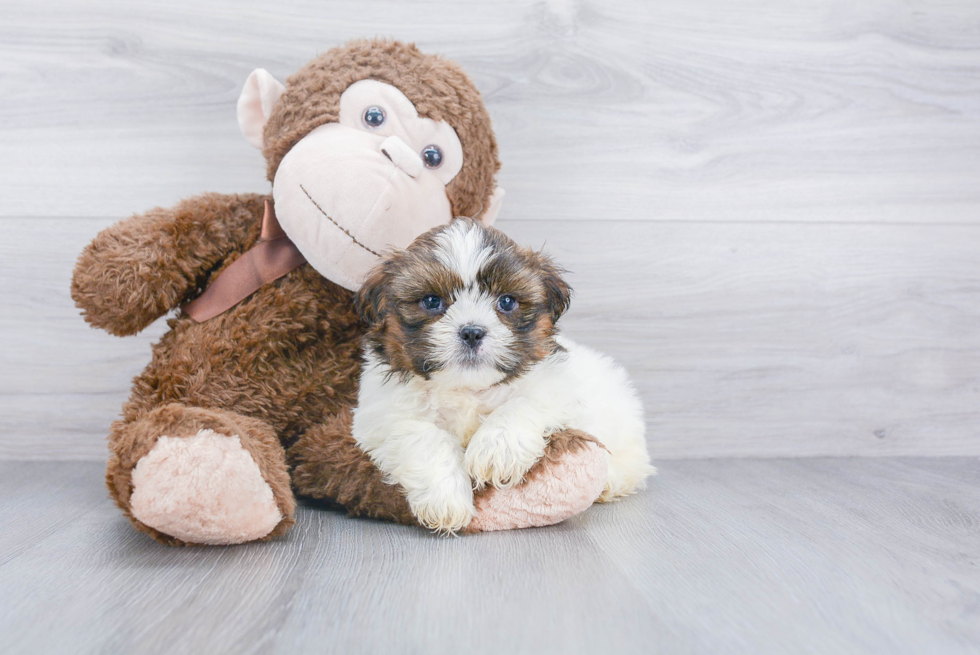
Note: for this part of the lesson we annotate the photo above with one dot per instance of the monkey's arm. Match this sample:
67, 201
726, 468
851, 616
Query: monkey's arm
140, 268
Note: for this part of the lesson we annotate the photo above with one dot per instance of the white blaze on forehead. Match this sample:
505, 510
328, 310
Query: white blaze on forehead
461, 249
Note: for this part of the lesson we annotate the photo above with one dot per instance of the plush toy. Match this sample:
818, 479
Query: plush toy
247, 397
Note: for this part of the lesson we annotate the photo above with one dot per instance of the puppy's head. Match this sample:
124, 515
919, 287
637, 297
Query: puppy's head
465, 305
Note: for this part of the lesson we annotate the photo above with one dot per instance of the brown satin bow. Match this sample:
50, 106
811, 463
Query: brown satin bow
269, 259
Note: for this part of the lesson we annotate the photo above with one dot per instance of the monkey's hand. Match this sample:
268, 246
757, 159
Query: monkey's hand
140, 268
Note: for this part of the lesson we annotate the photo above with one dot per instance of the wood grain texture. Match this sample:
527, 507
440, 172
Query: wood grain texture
824, 110
744, 340
756, 556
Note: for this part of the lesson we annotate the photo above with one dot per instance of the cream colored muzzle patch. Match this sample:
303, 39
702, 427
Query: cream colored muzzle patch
344, 203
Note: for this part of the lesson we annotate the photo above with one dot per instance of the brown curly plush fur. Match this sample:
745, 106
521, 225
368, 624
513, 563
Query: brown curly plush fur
280, 368
322, 464
275, 365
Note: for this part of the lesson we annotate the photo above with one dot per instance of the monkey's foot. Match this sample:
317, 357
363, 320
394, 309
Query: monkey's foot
566, 481
196, 485
203, 489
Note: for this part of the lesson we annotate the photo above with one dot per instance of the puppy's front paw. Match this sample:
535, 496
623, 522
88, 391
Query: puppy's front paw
446, 508
500, 456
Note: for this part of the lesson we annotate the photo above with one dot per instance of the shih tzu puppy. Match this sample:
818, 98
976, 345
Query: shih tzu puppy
465, 376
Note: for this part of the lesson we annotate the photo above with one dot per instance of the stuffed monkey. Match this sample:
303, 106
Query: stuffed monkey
248, 395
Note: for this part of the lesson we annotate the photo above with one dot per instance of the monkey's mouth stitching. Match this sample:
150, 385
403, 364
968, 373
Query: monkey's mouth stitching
341, 227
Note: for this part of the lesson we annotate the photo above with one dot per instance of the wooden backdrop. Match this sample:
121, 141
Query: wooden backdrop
771, 210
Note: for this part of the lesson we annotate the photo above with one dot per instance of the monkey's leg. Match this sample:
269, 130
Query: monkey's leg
567, 479
328, 465
193, 476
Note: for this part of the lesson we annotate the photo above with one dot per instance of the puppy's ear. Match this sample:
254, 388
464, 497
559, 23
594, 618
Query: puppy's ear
557, 292
371, 301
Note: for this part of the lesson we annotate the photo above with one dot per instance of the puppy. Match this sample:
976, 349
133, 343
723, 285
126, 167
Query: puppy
465, 376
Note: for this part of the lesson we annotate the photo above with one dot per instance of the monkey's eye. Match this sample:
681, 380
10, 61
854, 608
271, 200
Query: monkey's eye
507, 304
431, 303
374, 116
432, 156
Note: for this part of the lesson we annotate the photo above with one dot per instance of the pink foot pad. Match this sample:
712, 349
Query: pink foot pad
203, 489
561, 490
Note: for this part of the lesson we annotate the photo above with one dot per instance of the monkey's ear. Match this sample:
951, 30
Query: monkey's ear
489, 215
256, 103
370, 300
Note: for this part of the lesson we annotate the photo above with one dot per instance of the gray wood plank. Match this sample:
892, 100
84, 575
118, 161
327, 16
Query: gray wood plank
744, 340
807, 556
718, 556
631, 110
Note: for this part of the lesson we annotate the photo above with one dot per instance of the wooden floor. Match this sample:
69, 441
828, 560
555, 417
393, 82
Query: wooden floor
718, 556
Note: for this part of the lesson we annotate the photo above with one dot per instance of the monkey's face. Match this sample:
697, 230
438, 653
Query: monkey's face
350, 191
371, 144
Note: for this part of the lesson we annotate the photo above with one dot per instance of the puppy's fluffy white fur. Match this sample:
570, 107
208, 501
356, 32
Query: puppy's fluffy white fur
473, 416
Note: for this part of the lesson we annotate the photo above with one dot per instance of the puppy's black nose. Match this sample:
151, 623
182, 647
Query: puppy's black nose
472, 334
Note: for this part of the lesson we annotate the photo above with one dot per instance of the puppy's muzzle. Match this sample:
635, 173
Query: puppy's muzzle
472, 335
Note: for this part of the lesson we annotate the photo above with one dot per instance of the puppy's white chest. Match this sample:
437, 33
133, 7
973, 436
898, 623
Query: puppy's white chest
461, 412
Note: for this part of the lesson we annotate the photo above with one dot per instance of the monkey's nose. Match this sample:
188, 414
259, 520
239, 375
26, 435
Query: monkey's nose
472, 335
402, 156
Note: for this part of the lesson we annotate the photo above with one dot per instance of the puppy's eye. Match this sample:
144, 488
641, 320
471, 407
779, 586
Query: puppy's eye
374, 116
431, 303
432, 157
507, 303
